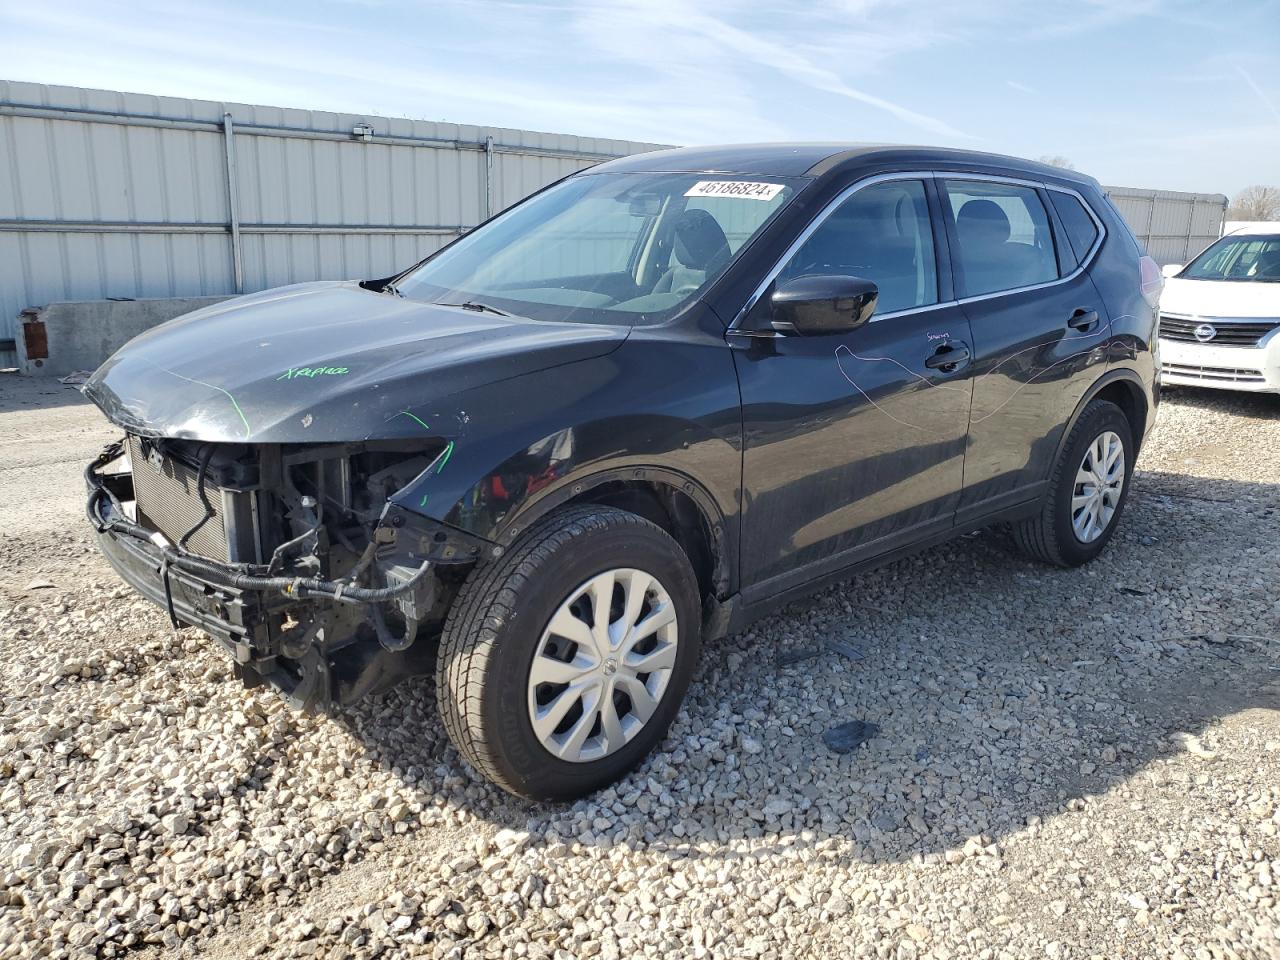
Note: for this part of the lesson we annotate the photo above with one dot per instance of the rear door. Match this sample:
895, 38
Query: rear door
1039, 331
855, 440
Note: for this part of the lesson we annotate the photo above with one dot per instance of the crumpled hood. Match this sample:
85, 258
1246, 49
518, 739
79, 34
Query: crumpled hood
1221, 298
325, 362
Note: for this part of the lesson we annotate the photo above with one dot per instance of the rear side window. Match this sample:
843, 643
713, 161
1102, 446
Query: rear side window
882, 233
1082, 232
1003, 236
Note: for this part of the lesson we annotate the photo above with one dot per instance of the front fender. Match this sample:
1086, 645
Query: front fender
661, 413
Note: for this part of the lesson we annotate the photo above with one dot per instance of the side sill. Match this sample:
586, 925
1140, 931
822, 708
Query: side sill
741, 613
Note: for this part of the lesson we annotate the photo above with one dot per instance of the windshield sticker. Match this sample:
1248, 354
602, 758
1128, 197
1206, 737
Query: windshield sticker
293, 373
738, 189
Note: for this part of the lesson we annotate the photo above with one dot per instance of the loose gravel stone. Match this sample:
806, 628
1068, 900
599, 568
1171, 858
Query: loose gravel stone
1062, 769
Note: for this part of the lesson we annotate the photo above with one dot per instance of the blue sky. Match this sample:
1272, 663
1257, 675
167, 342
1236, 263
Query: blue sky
1149, 93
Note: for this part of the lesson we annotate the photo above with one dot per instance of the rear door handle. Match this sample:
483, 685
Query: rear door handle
1082, 319
948, 357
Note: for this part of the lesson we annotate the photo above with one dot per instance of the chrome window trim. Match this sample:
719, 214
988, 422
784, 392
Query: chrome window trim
836, 201
1085, 261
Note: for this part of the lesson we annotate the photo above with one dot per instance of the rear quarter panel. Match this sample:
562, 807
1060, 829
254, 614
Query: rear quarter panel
1116, 274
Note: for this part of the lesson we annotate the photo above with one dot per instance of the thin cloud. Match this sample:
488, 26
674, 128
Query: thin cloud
1266, 101
655, 35
311, 67
1094, 15
698, 71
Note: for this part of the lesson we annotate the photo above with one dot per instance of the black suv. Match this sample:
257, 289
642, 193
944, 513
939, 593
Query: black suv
626, 417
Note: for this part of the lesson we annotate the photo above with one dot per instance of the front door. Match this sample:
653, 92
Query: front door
854, 442
1039, 334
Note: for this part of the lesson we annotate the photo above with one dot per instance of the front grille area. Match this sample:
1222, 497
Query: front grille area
1227, 374
167, 500
1227, 333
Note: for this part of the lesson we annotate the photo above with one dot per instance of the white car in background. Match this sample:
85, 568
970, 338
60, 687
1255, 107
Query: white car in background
1220, 316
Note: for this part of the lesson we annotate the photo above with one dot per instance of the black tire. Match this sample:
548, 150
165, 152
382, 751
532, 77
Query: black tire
497, 620
1049, 536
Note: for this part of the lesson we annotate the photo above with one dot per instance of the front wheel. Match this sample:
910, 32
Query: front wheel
1087, 490
563, 663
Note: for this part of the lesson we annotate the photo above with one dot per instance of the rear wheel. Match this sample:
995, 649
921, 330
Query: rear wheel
1087, 490
563, 663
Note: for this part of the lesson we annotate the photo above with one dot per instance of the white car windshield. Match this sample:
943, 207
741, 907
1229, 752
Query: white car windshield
604, 248
1238, 258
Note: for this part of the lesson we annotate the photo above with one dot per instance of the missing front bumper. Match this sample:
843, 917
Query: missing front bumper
315, 640
242, 623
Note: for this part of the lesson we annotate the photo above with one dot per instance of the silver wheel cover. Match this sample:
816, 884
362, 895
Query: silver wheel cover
602, 665
1099, 482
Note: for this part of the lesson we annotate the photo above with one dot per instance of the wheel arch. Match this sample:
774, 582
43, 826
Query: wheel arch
672, 500
1122, 387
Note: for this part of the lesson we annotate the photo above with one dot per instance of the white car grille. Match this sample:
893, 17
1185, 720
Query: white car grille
1221, 374
1216, 331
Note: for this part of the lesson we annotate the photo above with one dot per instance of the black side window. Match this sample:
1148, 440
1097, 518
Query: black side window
1082, 232
1003, 235
882, 233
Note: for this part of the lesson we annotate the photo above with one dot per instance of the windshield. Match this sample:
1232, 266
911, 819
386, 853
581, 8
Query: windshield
1238, 258
603, 248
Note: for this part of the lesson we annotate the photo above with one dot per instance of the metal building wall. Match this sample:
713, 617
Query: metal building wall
1173, 226
118, 195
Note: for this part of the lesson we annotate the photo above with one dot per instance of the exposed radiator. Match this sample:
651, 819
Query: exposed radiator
168, 501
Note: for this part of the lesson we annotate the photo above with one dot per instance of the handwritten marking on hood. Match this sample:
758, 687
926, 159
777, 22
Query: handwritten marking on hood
414, 417
444, 458
248, 431
293, 373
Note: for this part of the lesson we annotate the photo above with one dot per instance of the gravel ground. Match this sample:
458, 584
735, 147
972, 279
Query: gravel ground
1067, 763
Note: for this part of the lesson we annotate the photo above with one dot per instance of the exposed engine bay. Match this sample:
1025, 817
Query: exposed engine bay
291, 555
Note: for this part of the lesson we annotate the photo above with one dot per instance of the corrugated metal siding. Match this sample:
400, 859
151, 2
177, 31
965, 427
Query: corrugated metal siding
138, 207
144, 209
1173, 226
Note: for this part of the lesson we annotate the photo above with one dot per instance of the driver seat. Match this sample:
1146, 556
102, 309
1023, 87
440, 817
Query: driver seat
1267, 265
700, 249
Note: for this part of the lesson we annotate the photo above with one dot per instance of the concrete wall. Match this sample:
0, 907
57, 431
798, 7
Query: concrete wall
63, 338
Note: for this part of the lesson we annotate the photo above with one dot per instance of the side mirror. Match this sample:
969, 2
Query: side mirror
823, 304
1171, 269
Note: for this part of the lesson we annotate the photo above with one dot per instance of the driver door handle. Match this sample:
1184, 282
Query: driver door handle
949, 356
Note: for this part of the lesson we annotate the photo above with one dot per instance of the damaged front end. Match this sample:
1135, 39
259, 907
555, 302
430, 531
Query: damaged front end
293, 556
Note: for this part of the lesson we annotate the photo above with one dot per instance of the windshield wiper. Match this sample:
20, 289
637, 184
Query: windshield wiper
392, 289
477, 307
